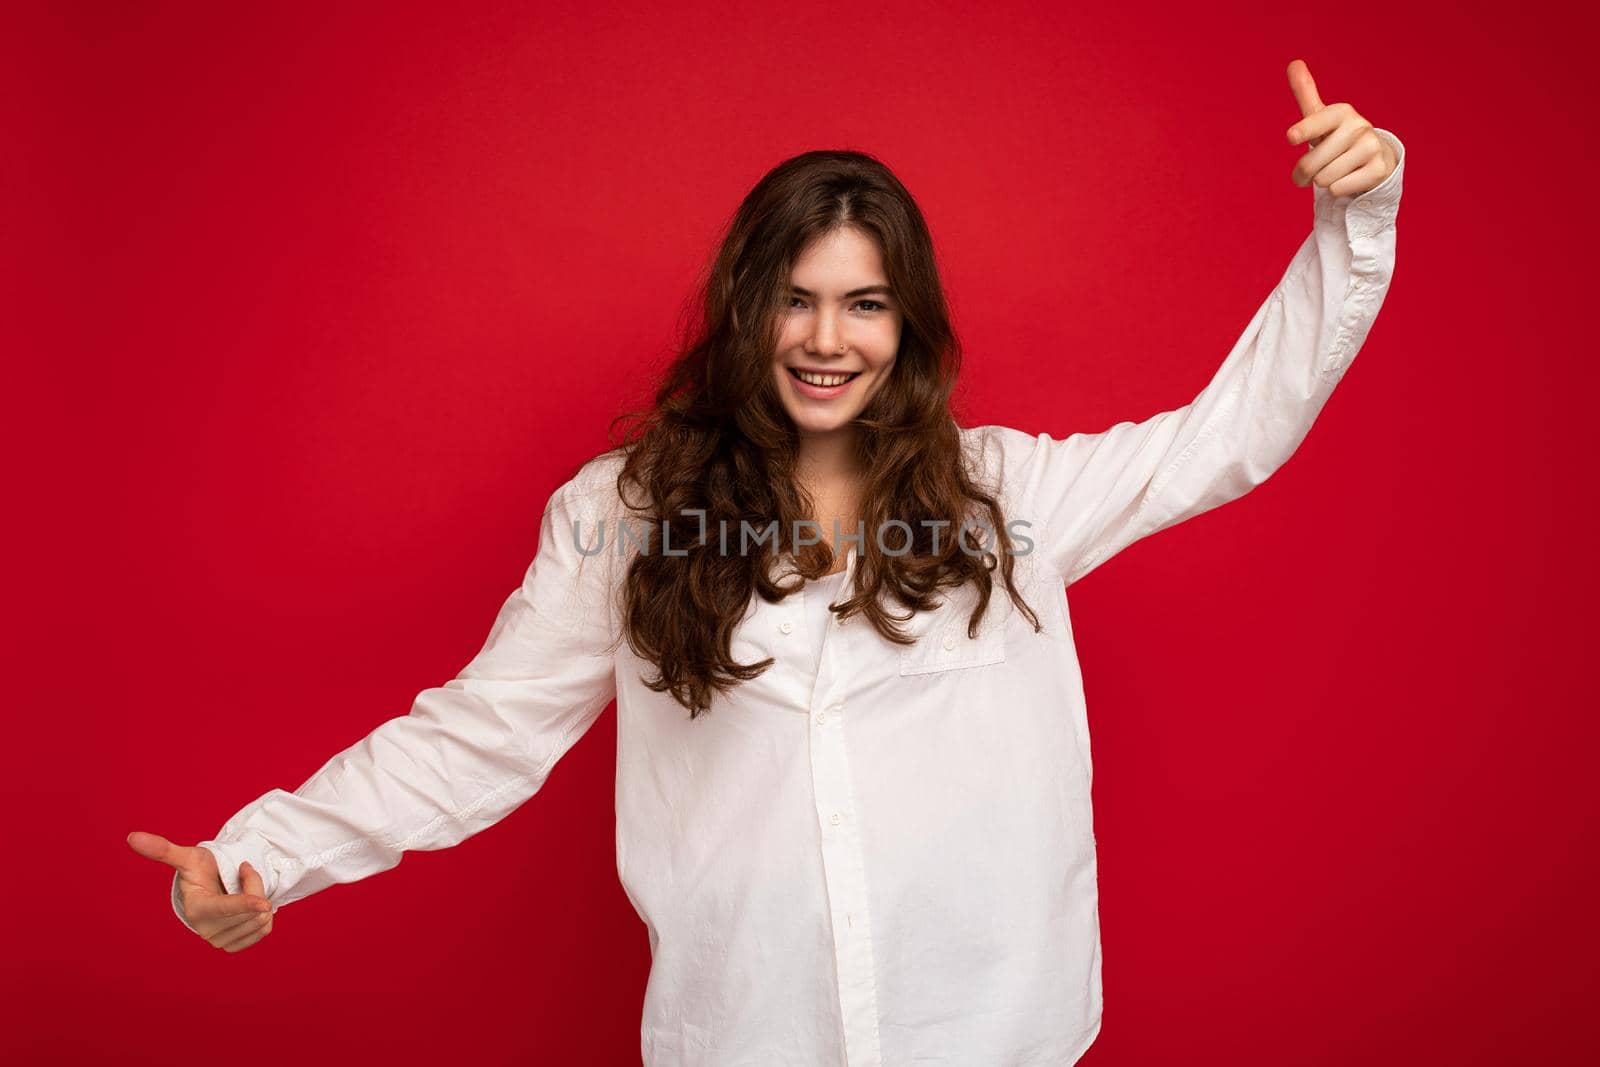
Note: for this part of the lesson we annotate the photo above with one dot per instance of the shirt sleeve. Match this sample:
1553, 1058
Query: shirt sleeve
471, 751
1095, 494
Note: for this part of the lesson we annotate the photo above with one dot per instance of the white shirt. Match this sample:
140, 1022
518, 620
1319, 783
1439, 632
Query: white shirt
883, 855
819, 594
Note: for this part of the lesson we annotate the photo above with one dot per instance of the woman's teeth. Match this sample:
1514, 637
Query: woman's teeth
821, 379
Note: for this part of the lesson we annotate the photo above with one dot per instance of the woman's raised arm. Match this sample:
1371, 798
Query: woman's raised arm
1094, 494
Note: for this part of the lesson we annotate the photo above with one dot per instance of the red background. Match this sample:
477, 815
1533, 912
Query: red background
314, 309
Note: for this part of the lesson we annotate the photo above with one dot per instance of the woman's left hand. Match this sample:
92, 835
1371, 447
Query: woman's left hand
1346, 157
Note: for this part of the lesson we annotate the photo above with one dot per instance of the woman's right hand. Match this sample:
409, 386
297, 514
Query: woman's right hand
229, 921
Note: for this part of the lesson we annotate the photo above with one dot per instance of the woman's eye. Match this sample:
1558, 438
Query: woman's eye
871, 305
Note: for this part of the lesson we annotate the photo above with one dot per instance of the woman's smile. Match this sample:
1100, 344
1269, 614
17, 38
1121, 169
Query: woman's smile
820, 386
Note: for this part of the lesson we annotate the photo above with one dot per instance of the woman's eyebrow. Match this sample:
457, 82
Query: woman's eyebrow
884, 289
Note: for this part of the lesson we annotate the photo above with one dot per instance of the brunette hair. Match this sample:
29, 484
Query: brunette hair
717, 439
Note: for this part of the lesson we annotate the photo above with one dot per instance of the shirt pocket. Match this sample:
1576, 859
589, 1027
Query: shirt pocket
942, 640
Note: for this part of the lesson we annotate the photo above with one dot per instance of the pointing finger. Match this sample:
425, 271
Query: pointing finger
158, 848
1304, 89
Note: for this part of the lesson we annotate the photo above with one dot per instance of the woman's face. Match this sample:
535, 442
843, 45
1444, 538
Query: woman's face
841, 319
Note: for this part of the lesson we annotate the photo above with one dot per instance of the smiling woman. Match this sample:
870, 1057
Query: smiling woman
816, 389
836, 348
857, 832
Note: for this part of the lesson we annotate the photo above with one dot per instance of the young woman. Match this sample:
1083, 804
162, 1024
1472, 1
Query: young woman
853, 764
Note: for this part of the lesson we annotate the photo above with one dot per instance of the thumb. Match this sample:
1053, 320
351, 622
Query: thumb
1304, 89
250, 881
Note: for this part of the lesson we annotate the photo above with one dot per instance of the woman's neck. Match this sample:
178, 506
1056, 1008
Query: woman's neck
826, 468
826, 464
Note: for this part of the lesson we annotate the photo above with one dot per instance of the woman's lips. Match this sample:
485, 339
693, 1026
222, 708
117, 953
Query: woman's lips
820, 392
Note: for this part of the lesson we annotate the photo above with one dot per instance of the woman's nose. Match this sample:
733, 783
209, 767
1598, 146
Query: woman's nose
823, 333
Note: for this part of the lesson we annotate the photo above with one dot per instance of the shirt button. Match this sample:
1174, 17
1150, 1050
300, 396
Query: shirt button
949, 642
822, 717
834, 818
786, 627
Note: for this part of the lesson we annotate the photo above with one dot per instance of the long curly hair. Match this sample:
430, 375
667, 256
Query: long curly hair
717, 447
